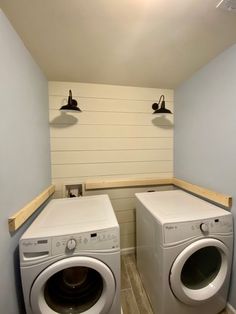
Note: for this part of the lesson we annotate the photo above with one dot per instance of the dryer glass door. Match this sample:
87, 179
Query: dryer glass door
199, 271
73, 285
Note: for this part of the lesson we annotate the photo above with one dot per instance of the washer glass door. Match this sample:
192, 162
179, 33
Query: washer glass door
76, 288
199, 271
73, 285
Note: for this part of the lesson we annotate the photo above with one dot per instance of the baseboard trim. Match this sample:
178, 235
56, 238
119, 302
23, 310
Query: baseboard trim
230, 309
127, 250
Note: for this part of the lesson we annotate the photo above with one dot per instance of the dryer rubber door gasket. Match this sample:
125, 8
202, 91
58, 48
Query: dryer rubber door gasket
199, 271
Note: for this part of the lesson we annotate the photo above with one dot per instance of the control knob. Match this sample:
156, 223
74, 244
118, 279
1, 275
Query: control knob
71, 244
204, 227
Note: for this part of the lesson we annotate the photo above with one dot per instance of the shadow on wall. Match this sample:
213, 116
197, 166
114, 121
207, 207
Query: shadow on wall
162, 122
19, 292
64, 120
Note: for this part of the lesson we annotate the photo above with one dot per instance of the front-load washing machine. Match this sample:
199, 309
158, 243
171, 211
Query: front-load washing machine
184, 252
70, 258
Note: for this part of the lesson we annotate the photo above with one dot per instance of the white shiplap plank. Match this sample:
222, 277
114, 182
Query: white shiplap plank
127, 228
108, 105
107, 91
128, 241
109, 131
58, 194
78, 157
75, 170
123, 203
129, 192
125, 216
94, 144
110, 118
126, 196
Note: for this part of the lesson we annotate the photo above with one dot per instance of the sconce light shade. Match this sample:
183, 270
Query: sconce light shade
72, 104
162, 108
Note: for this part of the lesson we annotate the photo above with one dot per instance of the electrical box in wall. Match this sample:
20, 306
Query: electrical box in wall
73, 190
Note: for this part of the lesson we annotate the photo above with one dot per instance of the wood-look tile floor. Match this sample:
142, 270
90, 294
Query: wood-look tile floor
133, 296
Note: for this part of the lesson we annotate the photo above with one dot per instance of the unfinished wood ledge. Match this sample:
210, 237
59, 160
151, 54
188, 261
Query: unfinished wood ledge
221, 199
16, 220
216, 197
108, 184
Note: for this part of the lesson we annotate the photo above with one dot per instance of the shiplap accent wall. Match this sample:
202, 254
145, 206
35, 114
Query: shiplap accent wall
115, 136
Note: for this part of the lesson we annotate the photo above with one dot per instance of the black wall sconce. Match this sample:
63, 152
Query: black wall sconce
160, 106
72, 104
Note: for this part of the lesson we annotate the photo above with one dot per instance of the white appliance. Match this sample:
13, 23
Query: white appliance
184, 252
70, 258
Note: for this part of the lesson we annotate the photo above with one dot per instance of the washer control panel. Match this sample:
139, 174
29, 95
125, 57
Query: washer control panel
34, 249
180, 231
71, 244
97, 240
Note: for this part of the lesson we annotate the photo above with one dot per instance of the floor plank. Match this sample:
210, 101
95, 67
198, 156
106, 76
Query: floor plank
129, 258
132, 280
138, 290
125, 281
129, 305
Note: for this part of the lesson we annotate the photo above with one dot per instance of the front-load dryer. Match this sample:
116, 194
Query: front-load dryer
70, 258
184, 252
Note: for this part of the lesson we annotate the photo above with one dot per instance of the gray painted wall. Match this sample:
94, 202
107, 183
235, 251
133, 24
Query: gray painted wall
24, 154
205, 131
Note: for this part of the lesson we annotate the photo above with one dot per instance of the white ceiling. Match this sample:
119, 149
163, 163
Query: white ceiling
150, 43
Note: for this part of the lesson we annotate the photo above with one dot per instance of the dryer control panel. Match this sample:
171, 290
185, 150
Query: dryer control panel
181, 231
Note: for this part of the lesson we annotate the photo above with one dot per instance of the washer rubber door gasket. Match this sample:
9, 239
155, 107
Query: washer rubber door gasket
38, 302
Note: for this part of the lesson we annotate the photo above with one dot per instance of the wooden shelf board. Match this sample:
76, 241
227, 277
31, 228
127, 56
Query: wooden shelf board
219, 198
16, 220
108, 184
216, 197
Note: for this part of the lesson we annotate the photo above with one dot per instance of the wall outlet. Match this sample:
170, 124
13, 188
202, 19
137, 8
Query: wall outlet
73, 190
